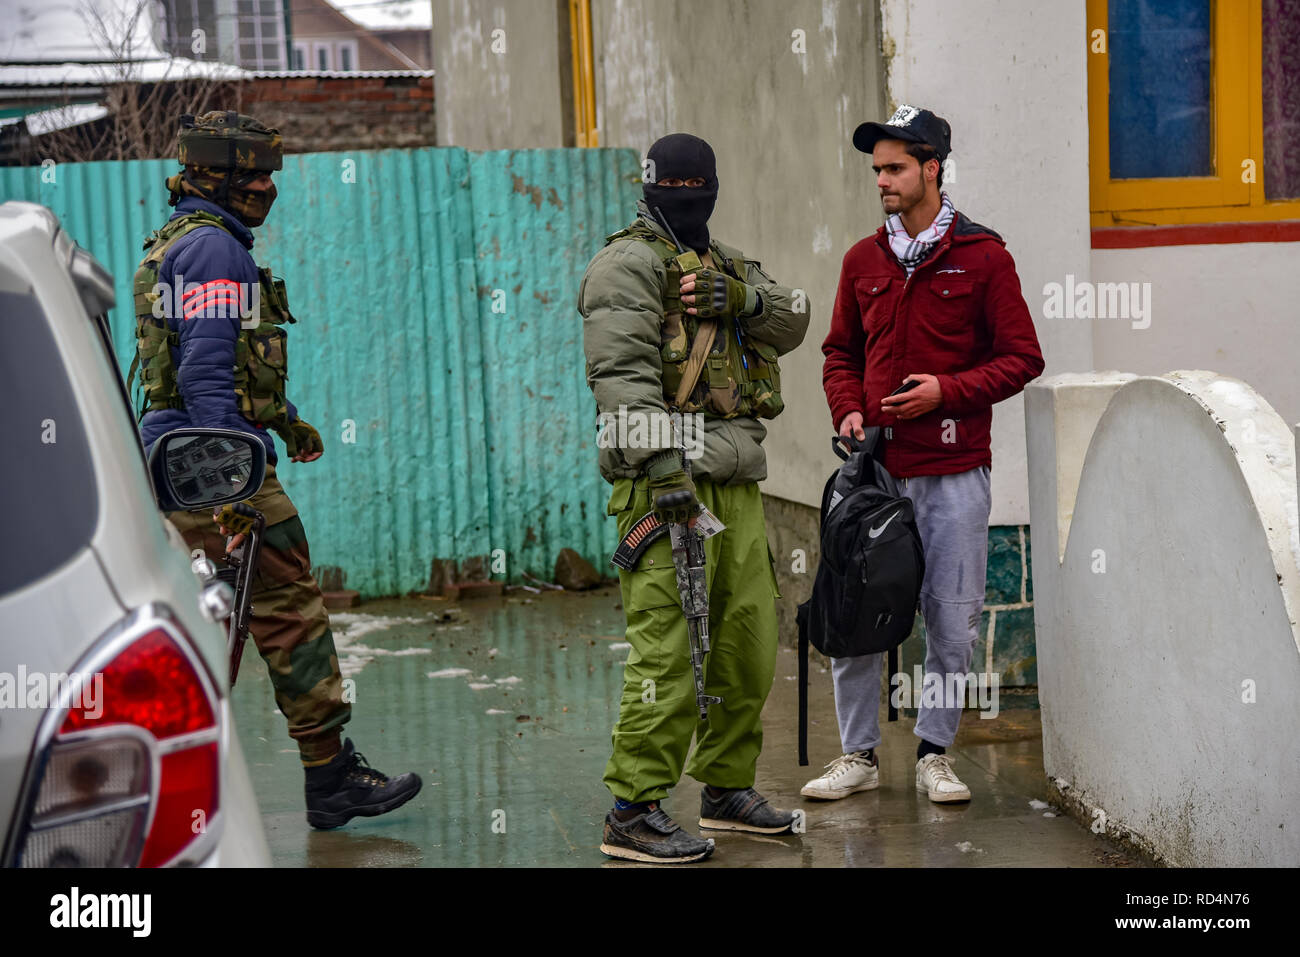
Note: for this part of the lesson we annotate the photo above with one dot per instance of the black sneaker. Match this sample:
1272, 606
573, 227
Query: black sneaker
652, 837
348, 787
743, 809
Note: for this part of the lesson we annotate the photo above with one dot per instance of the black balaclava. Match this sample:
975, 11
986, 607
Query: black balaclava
683, 156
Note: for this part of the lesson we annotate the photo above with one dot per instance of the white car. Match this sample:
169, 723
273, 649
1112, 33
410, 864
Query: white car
117, 744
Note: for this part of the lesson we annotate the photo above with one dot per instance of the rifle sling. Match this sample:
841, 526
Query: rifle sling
704, 336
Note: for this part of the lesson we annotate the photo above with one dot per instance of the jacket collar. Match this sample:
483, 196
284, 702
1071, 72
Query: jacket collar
962, 230
643, 211
195, 204
720, 251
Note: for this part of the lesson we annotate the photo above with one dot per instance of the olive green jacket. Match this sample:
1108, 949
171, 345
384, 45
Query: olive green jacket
621, 302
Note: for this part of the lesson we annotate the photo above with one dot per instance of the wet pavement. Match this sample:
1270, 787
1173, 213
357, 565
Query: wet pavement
504, 708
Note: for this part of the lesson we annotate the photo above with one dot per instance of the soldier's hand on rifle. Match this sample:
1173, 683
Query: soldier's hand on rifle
671, 489
709, 294
237, 519
307, 441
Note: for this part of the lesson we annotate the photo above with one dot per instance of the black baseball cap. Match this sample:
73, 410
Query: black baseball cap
911, 124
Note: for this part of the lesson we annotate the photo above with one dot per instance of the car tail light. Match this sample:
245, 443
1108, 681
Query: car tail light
130, 774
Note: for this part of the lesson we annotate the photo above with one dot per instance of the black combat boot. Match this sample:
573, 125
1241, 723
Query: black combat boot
742, 809
652, 837
348, 786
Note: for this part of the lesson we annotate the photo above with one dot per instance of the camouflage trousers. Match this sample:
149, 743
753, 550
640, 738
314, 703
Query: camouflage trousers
288, 623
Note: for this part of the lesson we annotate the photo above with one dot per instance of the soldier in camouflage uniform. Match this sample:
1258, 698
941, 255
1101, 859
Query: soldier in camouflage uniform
645, 306
205, 359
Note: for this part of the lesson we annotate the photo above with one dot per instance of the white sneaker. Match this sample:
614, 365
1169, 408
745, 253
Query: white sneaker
934, 775
847, 774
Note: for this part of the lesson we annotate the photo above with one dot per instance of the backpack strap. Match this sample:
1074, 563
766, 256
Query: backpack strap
802, 618
889, 681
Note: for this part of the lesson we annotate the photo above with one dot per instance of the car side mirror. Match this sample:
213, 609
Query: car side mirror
203, 468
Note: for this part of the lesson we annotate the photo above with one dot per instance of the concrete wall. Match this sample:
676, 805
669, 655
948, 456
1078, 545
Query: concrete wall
490, 100
1011, 79
1233, 308
1168, 650
793, 192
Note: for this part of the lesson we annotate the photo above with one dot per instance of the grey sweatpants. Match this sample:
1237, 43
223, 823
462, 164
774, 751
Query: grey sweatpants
952, 515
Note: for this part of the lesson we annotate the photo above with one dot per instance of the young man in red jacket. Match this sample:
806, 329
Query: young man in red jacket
931, 301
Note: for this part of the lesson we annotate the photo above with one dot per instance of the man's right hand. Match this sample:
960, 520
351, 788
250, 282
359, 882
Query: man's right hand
852, 425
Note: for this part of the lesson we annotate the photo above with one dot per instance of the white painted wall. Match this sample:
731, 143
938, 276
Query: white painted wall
1234, 308
1011, 79
1168, 651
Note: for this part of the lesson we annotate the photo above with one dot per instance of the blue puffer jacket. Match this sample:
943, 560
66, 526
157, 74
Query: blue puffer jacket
205, 360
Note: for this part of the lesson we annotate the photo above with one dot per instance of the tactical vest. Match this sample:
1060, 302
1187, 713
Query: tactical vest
260, 368
741, 375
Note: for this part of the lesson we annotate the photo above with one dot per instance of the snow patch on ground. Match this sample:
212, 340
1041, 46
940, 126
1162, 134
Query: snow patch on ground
1038, 805
966, 847
479, 686
494, 711
621, 646
449, 673
350, 627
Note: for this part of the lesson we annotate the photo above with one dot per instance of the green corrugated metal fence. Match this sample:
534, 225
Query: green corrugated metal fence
438, 348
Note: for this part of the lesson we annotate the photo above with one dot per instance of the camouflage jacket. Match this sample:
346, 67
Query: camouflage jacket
621, 302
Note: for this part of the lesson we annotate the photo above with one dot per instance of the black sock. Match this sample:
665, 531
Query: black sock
925, 747
870, 755
714, 793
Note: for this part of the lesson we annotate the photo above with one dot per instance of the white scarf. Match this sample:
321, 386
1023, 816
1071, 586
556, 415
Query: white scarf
911, 251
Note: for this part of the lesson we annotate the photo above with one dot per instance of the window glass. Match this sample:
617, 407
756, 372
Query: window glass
1160, 119
47, 459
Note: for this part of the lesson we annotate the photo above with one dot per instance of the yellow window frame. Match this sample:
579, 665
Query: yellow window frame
1236, 97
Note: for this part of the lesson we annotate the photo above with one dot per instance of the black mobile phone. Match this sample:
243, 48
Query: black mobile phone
907, 386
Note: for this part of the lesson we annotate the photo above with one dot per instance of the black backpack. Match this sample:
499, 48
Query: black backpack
868, 583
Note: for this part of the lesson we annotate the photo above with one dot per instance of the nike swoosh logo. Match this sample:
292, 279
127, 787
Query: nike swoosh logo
875, 530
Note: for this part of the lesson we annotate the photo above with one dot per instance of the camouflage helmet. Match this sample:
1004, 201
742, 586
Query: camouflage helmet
224, 139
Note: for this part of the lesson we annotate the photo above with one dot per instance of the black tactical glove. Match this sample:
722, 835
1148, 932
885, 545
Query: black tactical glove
671, 489
717, 294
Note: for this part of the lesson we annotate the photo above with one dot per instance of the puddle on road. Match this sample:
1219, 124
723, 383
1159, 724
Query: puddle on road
506, 709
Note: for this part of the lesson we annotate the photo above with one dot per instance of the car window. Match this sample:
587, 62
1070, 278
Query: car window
48, 493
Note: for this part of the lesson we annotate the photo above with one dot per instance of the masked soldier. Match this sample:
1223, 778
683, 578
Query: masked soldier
211, 352
693, 330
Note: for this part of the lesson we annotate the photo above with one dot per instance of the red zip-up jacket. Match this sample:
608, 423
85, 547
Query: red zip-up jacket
960, 317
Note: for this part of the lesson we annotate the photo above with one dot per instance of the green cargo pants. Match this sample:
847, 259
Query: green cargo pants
289, 622
658, 714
